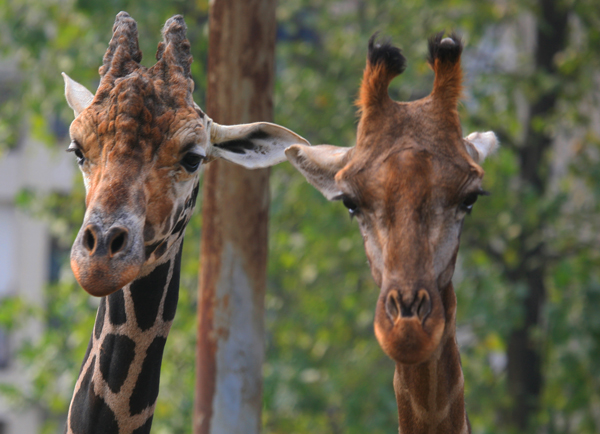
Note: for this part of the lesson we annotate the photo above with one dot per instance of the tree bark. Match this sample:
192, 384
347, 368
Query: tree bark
525, 376
525, 379
232, 279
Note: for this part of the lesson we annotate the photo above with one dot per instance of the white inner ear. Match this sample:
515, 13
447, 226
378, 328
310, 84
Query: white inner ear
256, 145
319, 165
78, 97
483, 144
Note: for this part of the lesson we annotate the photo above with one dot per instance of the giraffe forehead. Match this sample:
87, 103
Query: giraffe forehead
403, 175
142, 112
132, 115
418, 124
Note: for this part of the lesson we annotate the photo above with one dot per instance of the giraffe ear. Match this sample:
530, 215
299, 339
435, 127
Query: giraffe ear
78, 97
480, 145
255, 145
319, 165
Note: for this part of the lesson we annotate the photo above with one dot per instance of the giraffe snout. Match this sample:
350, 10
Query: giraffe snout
106, 258
409, 322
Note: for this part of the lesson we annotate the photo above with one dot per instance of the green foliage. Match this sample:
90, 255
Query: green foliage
324, 371
320, 302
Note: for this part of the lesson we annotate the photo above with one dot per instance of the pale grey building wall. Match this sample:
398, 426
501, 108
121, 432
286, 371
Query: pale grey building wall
25, 256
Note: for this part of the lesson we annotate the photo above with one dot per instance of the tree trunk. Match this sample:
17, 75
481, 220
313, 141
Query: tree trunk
525, 377
235, 219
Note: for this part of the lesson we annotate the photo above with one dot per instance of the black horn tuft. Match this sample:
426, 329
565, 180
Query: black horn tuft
384, 62
384, 52
444, 49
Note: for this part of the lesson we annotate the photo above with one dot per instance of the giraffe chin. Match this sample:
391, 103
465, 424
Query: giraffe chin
101, 279
412, 339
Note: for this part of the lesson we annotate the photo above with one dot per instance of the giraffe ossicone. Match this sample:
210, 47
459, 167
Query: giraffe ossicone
410, 181
141, 142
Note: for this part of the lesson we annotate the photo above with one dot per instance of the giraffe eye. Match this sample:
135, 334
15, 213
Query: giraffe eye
75, 148
351, 205
470, 199
191, 161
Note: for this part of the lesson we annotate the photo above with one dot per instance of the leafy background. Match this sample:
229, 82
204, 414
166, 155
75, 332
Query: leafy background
528, 275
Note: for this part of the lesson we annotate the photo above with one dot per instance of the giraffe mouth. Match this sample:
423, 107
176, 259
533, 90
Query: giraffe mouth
101, 279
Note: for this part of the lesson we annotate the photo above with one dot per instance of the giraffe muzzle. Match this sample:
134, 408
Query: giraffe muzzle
409, 323
105, 260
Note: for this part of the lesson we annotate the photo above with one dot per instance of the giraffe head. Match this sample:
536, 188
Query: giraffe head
410, 181
141, 142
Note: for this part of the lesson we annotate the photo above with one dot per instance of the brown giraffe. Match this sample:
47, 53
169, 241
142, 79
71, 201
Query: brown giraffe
410, 181
141, 143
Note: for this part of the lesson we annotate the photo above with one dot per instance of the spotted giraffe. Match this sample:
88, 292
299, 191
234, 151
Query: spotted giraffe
141, 142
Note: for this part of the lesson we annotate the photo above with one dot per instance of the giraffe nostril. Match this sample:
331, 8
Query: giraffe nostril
393, 305
396, 307
89, 239
117, 240
423, 304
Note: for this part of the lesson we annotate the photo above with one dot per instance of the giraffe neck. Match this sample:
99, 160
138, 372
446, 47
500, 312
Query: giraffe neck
118, 383
430, 395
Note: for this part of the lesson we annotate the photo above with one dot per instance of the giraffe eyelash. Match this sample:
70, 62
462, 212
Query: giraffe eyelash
76, 149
